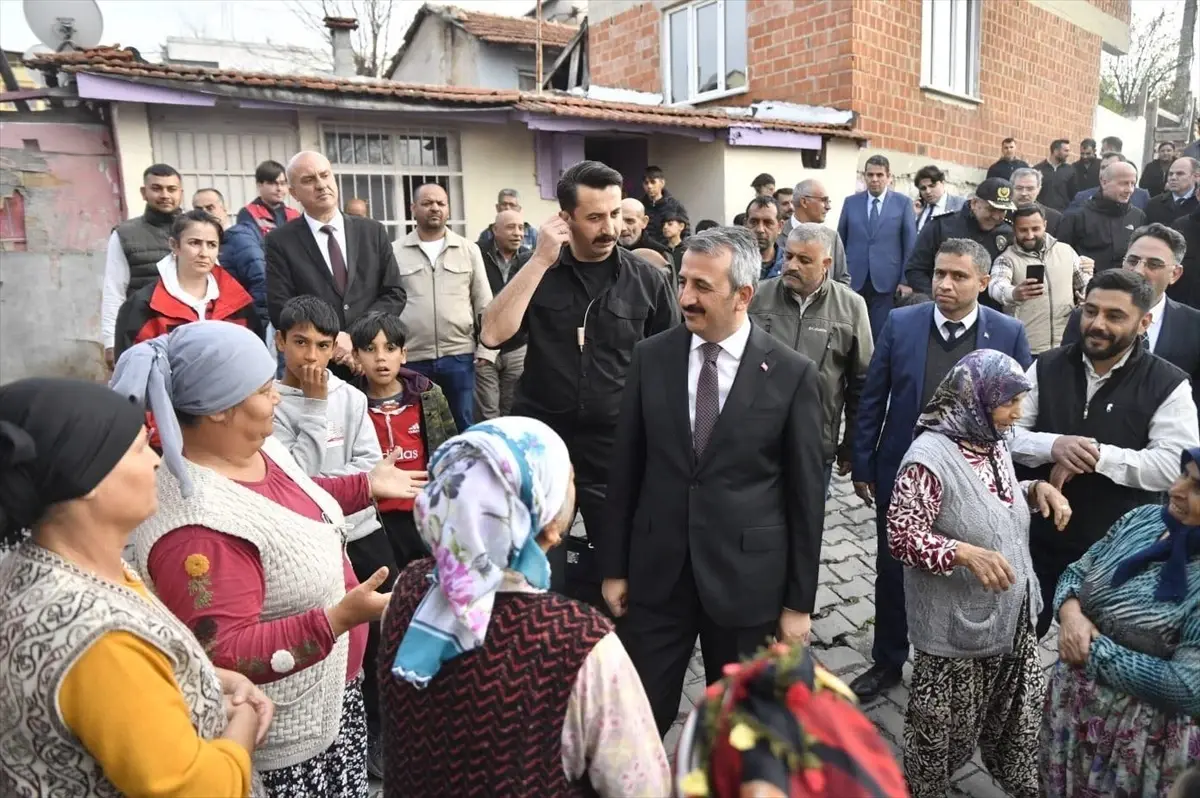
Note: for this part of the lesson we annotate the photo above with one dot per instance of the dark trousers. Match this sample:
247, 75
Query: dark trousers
660, 640
590, 453
1049, 567
455, 375
878, 306
890, 648
367, 555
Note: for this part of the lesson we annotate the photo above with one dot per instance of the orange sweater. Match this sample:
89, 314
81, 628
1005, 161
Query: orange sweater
121, 700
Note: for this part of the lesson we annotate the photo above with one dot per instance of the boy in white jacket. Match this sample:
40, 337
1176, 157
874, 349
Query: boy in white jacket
324, 424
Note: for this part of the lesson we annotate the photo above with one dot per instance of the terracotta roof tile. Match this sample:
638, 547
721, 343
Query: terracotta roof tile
511, 30
126, 63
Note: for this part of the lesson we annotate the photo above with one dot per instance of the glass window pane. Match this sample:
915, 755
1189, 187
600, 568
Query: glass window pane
385, 146
678, 36
374, 155
441, 156
707, 78
331, 148
345, 148
941, 71
360, 149
735, 44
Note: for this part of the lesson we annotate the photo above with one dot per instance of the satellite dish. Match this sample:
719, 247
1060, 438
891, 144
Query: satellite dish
65, 25
35, 75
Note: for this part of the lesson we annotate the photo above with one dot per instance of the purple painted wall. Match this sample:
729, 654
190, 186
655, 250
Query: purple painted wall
66, 173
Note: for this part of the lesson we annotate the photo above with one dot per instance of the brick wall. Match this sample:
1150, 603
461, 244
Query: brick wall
1039, 75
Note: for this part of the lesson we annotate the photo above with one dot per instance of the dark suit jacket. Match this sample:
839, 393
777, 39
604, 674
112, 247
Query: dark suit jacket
1178, 340
295, 267
749, 513
881, 253
1162, 208
897, 375
1139, 200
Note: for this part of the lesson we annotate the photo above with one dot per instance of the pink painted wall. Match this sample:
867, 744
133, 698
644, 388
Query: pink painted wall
66, 172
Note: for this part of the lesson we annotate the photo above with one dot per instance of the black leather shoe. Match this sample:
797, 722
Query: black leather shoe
878, 679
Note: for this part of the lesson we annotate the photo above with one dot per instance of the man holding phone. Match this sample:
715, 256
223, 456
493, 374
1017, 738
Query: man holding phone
1038, 279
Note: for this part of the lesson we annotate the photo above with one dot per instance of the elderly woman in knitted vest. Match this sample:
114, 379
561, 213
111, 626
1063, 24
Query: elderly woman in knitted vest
249, 551
959, 521
490, 685
104, 692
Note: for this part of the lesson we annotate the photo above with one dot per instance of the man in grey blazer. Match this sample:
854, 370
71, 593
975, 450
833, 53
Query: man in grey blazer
931, 185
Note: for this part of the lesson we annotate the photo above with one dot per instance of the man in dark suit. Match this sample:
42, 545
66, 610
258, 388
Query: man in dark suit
918, 347
715, 491
879, 230
345, 260
1156, 252
1180, 197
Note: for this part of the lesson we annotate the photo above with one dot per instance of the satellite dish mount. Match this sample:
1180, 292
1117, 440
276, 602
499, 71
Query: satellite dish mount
65, 25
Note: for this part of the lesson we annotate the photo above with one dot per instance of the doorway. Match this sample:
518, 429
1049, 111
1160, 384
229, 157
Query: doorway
627, 154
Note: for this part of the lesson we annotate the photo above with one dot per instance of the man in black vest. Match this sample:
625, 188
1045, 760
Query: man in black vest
136, 246
1105, 421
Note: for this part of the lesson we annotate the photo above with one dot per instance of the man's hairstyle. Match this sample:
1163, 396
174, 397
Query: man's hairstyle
1126, 281
1057, 144
805, 232
592, 174
160, 170
364, 329
507, 192
1009, 140
1112, 143
780, 192
764, 202
1106, 171
1027, 171
654, 173
930, 172
879, 160
1088, 143
745, 259
1169, 236
186, 219
1032, 209
763, 179
1193, 162
972, 249
220, 196
312, 310
417, 191
804, 187
1162, 144
705, 224
676, 214
268, 172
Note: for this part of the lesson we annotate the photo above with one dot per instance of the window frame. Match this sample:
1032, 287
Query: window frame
970, 50
404, 176
693, 94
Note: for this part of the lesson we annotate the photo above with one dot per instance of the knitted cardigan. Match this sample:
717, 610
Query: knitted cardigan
53, 612
302, 569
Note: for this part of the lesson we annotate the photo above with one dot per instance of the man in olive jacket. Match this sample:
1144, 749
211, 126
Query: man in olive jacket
825, 320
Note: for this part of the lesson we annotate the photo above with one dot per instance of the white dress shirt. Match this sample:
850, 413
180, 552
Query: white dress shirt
116, 283
728, 360
1156, 320
1173, 428
930, 212
338, 222
871, 200
967, 321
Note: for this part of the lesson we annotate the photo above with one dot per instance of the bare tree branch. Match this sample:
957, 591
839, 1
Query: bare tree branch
371, 40
1149, 67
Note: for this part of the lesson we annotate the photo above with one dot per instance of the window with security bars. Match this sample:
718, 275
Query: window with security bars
384, 168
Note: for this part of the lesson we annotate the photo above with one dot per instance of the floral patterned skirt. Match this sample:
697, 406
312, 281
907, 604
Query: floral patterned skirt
340, 771
1099, 741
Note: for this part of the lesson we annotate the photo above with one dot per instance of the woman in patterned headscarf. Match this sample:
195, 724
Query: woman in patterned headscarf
959, 521
490, 685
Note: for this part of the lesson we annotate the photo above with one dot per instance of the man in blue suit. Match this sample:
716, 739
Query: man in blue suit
917, 348
879, 230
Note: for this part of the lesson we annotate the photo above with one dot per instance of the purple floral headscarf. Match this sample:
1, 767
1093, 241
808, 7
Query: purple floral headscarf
961, 407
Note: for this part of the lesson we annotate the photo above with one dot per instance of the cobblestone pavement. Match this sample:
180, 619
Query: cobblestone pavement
842, 630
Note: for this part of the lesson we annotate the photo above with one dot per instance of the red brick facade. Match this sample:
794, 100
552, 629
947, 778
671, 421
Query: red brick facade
1039, 73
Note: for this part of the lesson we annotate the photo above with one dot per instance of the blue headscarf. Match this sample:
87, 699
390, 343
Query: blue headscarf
491, 491
200, 368
1182, 541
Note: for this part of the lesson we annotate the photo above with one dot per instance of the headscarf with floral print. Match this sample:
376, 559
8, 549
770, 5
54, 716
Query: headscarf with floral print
491, 491
961, 407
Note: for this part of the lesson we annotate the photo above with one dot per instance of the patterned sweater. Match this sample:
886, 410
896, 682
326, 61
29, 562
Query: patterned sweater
1147, 648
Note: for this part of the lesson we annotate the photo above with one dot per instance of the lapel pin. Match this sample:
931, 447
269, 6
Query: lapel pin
763, 365
986, 334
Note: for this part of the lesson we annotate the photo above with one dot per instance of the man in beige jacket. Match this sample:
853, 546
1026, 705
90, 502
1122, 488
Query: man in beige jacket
447, 287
